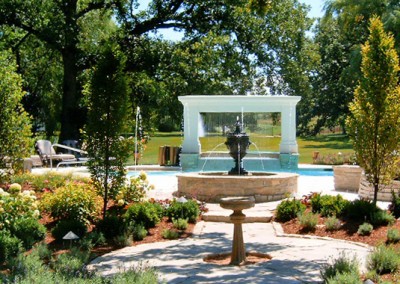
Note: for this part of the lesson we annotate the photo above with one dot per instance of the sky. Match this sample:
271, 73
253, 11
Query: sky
315, 12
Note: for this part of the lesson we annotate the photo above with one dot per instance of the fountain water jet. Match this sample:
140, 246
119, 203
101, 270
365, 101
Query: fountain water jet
211, 187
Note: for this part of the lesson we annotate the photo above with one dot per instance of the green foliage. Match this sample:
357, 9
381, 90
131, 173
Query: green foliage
328, 205
91, 240
375, 114
341, 265
111, 226
123, 240
65, 225
384, 259
72, 264
180, 224
381, 218
308, 221
28, 230
360, 210
189, 210
348, 278
170, 234
69, 268
332, 223
107, 101
47, 181
10, 246
75, 200
139, 232
289, 209
392, 235
43, 251
144, 213
135, 191
394, 206
365, 229
19, 215
15, 133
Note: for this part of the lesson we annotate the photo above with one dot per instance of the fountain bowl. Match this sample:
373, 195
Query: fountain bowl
211, 187
237, 203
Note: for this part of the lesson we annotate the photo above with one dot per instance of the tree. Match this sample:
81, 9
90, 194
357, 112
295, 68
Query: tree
375, 110
227, 48
15, 132
338, 37
107, 97
59, 24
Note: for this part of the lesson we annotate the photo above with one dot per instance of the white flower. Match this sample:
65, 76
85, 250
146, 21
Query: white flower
15, 188
36, 213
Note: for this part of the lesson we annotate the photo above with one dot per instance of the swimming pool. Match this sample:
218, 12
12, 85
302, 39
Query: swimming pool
302, 171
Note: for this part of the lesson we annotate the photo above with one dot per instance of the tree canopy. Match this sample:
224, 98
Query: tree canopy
228, 47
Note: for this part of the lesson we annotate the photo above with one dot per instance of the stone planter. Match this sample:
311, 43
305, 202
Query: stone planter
347, 178
384, 194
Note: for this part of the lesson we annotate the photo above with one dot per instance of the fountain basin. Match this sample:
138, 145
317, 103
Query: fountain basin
211, 187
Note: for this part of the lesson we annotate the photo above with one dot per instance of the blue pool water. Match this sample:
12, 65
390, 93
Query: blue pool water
302, 172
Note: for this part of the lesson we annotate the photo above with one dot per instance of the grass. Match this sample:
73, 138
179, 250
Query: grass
325, 144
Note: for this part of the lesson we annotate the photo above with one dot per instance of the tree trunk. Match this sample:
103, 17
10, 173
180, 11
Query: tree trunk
70, 112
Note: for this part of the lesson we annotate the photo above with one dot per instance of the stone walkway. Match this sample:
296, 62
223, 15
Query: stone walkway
295, 259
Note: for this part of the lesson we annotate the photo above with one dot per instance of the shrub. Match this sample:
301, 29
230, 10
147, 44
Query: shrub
328, 205
17, 206
332, 224
394, 206
170, 234
342, 265
393, 235
10, 246
289, 209
94, 238
138, 232
144, 213
360, 210
381, 218
64, 226
28, 230
308, 221
135, 191
365, 229
384, 259
43, 251
180, 224
123, 240
185, 210
111, 226
348, 278
72, 264
75, 200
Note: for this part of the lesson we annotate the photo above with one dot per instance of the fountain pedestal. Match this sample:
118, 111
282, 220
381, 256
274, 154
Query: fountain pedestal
237, 204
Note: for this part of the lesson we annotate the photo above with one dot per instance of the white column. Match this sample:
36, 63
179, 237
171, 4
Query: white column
288, 140
191, 142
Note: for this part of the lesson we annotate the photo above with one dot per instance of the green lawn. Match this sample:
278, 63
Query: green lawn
325, 144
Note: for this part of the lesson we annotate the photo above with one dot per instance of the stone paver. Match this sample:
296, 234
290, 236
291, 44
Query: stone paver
294, 259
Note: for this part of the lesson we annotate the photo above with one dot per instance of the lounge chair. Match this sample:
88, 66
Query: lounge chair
47, 153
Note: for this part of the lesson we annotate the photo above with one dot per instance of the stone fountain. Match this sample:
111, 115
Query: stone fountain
238, 142
212, 186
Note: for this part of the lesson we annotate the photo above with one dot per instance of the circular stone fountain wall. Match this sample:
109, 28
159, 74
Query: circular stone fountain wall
211, 187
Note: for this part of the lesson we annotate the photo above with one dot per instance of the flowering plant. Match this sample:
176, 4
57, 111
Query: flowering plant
15, 204
134, 191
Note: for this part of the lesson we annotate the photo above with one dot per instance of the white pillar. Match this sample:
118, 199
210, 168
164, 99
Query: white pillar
288, 125
191, 142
